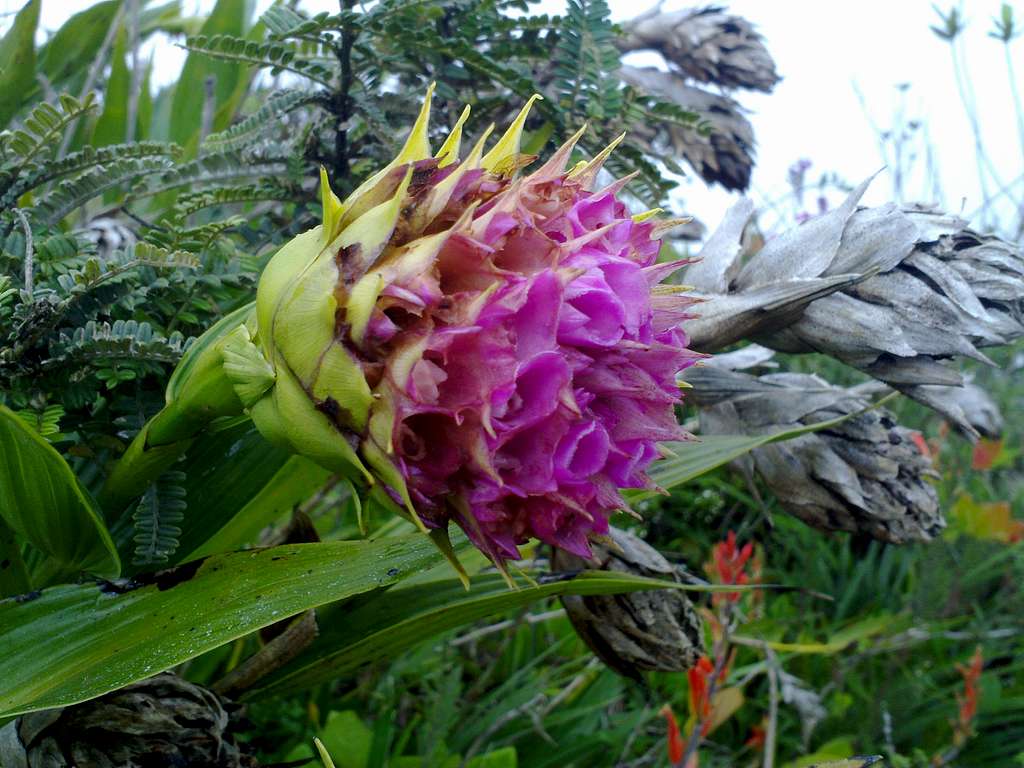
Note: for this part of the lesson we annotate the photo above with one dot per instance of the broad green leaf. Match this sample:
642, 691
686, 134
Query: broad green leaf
18, 61
13, 574
500, 758
229, 17
144, 115
163, 103
75, 642
43, 501
112, 124
238, 483
348, 739
66, 57
835, 750
381, 627
167, 18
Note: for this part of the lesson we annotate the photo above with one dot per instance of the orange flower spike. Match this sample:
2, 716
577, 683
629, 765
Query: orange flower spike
675, 738
699, 678
971, 696
727, 566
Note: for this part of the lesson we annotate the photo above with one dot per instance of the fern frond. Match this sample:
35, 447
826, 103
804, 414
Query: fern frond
210, 170
97, 271
584, 56
286, 23
123, 340
198, 239
277, 106
267, 189
70, 194
278, 56
85, 158
40, 128
157, 519
45, 422
513, 79
7, 294
60, 249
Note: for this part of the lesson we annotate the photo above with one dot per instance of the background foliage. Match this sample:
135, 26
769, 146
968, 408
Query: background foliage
133, 219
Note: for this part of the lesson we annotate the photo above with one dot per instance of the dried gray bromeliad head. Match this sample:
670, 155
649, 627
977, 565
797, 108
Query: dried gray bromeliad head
863, 475
656, 630
161, 721
891, 291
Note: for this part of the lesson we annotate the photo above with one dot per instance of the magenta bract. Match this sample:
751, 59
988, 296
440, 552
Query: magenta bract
547, 371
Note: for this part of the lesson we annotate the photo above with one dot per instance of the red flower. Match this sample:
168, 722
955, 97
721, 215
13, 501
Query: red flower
701, 705
756, 738
727, 566
969, 700
675, 738
922, 444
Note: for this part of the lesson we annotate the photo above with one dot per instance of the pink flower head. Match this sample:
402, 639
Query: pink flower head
546, 372
494, 348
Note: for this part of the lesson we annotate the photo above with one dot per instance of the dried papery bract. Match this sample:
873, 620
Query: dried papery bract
723, 154
161, 721
658, 630
891, 291
707, 44
864, 475
469, 342
702, 46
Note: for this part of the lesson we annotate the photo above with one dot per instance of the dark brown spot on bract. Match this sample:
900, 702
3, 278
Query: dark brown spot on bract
28, 596
350, 265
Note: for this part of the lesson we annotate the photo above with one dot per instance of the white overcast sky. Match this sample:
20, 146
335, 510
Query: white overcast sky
824, 50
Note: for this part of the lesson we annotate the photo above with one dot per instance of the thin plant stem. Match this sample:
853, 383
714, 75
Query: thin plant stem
90, 79
29, 252
1019, 112
773, 708
136, 77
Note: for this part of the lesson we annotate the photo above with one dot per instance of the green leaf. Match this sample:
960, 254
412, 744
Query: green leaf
387, 624
18, 61
144, 116
347, 738
228, 17
112, 125
42, 500
131, 630
13, 574
237, 484
70, 52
